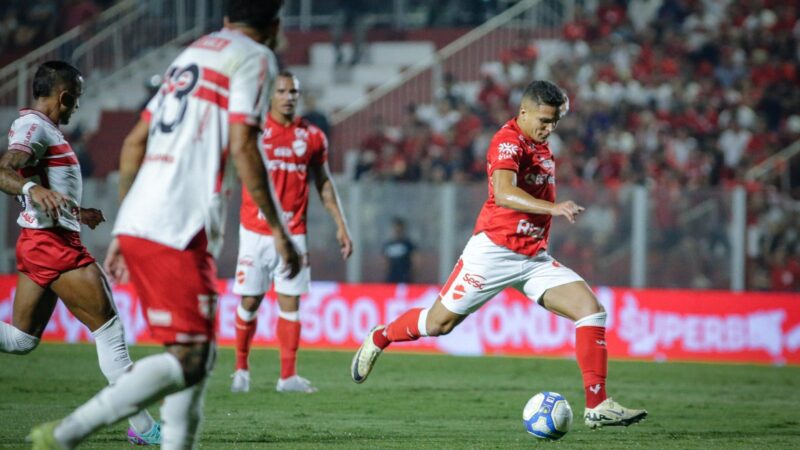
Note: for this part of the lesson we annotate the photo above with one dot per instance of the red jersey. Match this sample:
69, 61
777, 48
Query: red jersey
536, 174
287, 152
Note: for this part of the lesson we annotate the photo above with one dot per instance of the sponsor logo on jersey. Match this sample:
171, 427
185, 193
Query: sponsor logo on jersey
240, 277
507, 150
286, 166
284, 152
301, 133
474, 280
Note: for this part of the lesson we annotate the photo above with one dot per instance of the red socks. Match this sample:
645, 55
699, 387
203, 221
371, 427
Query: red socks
592, 356
404, 328
289, 339
244, 337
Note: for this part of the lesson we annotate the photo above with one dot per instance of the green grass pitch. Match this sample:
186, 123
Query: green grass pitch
428, 402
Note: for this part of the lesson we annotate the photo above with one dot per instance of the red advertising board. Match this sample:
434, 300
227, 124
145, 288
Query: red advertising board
642, 324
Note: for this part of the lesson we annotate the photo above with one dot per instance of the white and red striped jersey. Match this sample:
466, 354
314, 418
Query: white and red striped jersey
184, 181
52, 164
535, 166
288, 151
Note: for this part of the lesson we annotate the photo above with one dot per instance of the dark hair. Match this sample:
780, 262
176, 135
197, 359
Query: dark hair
545, 92
256, 13
398, 222
286, 74
52, 73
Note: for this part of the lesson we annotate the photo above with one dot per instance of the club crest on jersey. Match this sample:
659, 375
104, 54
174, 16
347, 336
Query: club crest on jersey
299, 147
301, 133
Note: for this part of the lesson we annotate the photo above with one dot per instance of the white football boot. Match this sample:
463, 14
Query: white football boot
365, 357
295, 383
610, 414
241, 381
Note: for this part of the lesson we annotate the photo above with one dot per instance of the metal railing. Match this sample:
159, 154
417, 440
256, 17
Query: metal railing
463, 58
780, 165
624, 238
112, 40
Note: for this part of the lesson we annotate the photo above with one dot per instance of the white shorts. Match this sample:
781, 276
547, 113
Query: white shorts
259, 263
486, 268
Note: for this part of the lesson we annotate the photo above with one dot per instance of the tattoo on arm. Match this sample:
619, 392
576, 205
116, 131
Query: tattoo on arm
10, 181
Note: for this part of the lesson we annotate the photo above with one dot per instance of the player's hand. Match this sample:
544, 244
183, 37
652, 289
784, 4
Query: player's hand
568, 209
114, 264
288, 253
50, 201
91, 217
345, 242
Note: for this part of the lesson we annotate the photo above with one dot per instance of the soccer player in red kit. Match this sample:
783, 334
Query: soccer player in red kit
294, 148
174, 180
42, 169
509, 249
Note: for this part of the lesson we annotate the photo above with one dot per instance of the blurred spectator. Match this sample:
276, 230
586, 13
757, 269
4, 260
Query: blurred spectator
399, 251
315, 116
76, 12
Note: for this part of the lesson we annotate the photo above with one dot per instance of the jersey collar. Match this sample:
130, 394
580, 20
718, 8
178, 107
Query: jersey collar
26, 111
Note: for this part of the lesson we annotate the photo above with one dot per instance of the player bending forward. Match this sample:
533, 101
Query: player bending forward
509, 249
51, 260
213, 98
293, 148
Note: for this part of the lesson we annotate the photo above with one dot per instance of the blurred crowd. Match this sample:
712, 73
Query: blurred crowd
27, 24
682, 96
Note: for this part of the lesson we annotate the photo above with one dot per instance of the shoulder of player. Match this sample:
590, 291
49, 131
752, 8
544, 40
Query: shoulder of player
28, 121
507, 135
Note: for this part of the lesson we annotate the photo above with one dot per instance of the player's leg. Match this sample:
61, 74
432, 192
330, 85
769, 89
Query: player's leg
289, 326
246, 325
33, 306
255, 263
178, 294
182, 413
86, 293
482, 271
148, 380
569, 296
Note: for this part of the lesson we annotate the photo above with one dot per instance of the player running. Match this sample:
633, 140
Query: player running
509, 249
213, 98
293, 148
41, 168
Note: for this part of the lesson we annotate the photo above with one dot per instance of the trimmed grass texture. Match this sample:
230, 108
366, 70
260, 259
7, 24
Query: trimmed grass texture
418, 402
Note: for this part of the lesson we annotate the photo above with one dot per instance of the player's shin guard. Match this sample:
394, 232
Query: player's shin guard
246, 323
15, 341
410, 326
114, 360
182, 414
288, 331
150, 379
592, 356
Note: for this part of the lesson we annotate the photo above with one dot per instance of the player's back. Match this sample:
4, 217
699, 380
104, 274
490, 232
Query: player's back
222, 78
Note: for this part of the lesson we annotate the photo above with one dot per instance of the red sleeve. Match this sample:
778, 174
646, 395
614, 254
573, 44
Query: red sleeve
320, 155
504, 152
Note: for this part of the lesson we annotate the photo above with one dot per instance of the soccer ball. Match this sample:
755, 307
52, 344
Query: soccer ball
547, 415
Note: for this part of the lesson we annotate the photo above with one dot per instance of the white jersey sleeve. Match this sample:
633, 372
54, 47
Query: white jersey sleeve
28, 136
251, 84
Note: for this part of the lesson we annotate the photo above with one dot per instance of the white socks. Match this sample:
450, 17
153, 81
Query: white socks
182, 413
291, 316
150, 379
246, 315
15, 341
114, 360
422, 322
592, 320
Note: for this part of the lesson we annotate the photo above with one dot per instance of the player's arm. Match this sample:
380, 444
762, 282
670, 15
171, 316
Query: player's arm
130, 160
508, 195
12, 183
246, 158
330, 199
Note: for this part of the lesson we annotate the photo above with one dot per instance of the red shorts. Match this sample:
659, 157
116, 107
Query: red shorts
43, 255
177, 288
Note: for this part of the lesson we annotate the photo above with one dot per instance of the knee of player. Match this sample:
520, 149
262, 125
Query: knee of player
441, 328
